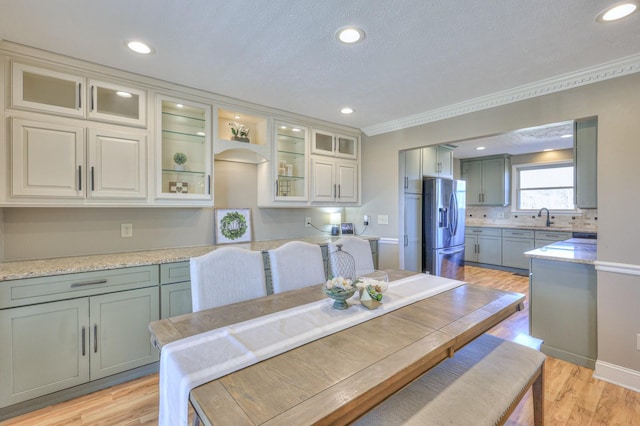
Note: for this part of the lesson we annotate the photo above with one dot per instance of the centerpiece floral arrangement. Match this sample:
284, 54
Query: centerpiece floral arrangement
340, 289
239, 131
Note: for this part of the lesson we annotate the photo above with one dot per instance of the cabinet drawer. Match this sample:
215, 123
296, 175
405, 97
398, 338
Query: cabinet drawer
59, 287
491, 232
553, 235
517, 233
174, 272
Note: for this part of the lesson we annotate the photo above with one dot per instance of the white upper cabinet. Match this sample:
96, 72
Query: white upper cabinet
334, 145
50, 91
437, 161
290, 162
334, 181
184, 158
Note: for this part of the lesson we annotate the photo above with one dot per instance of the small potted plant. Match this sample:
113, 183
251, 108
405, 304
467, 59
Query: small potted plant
239, 131
180, 158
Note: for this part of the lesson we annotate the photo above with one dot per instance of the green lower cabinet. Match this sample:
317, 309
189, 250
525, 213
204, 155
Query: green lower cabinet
53, 346
44, 349
120, 331
175, 299
513, 250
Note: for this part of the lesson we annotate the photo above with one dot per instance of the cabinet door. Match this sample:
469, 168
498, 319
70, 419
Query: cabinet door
323, 186
45, 90
184, 158
115, 103
472, 173
290, 162
120, 337
346, 147
445, 162
513, 250
347, 181
490, 250
585, 159
322, 143
117, 164
412, 171
430, 161
44, 349
47, 159
493, 182
470, 248
413, 232
175, 299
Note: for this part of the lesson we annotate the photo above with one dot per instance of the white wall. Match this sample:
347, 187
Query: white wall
616, 102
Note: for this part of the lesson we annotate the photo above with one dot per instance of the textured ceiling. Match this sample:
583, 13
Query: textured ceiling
418, 55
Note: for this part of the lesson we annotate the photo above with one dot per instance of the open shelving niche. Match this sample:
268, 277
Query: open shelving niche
256, 151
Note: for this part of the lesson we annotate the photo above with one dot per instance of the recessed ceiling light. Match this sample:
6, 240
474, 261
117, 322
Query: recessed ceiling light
139, 47
283, 127
123, 94
617, 11
480, 148
346, 110
566, 136
350, 35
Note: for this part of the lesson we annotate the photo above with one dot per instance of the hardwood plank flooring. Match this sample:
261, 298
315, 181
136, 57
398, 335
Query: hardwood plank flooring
572, 395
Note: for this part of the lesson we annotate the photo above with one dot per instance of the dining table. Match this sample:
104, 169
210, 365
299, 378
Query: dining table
339, 377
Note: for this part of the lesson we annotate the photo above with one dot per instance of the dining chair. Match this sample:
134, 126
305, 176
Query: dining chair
226, 275
296, 264
359, 249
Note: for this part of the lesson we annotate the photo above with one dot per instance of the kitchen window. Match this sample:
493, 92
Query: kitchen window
547, 185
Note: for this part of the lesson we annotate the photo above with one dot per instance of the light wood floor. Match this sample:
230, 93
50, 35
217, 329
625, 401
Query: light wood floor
572, 396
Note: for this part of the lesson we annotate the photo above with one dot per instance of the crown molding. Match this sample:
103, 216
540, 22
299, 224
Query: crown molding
608, 70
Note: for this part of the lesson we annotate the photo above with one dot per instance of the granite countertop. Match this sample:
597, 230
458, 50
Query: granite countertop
577, 250
15, 270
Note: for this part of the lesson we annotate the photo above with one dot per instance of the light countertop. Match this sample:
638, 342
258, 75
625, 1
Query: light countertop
577, 250
68, 265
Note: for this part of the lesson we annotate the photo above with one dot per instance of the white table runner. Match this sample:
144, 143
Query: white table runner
195, 360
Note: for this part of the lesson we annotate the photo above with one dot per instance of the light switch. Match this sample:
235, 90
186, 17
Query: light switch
126, 230
383, 219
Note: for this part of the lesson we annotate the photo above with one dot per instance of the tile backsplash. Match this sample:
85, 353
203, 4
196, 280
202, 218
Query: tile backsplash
584, 220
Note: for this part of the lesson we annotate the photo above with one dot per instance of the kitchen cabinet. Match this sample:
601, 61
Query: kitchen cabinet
58, 92
544, 237
488, 180
334, 145
334, 181
483, 245
563, 310
412, 183
412, 244
290, 162
62, 159
437, 161
585, 163
66, 330
175, 289
184, 157
515, 243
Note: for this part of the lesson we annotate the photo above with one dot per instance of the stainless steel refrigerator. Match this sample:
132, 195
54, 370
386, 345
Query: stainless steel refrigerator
443, 216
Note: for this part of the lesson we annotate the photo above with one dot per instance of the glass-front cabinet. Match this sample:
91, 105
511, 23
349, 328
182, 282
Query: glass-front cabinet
334, 145
184, 150
52, 91
290, 162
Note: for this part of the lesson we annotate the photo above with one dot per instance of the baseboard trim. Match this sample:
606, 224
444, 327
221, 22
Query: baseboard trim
617, 375
618, 268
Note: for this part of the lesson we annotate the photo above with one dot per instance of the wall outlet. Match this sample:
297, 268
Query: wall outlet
307, 221
383, 219
366, 220
126, 230
500, 215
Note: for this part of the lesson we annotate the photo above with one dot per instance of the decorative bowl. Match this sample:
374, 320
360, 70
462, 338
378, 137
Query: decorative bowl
339, 296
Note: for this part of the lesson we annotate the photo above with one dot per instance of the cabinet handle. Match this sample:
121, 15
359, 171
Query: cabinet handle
79, 106
335, 193
88, 283
406, 240
79, 178
406, 182
209, 183
439, 167
92, 180
95, 338
92, 88
339, 192
276, 188
83, 341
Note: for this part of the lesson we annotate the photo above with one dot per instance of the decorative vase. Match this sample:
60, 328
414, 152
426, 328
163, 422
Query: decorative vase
339, 297
240, 139
179, 167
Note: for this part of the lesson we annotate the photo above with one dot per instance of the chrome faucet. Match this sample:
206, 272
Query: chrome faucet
540, 215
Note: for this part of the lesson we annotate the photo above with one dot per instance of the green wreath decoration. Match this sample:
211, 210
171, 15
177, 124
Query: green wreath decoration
233, 225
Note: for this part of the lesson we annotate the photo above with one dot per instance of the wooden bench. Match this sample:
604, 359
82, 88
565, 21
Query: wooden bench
480, 385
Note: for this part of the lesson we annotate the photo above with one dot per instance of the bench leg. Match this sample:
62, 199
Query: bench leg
538, 398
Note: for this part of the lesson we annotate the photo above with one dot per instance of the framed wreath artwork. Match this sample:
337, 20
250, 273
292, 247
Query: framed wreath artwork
233, 225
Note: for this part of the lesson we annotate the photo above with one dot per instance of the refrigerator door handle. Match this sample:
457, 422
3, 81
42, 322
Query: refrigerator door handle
453, 207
